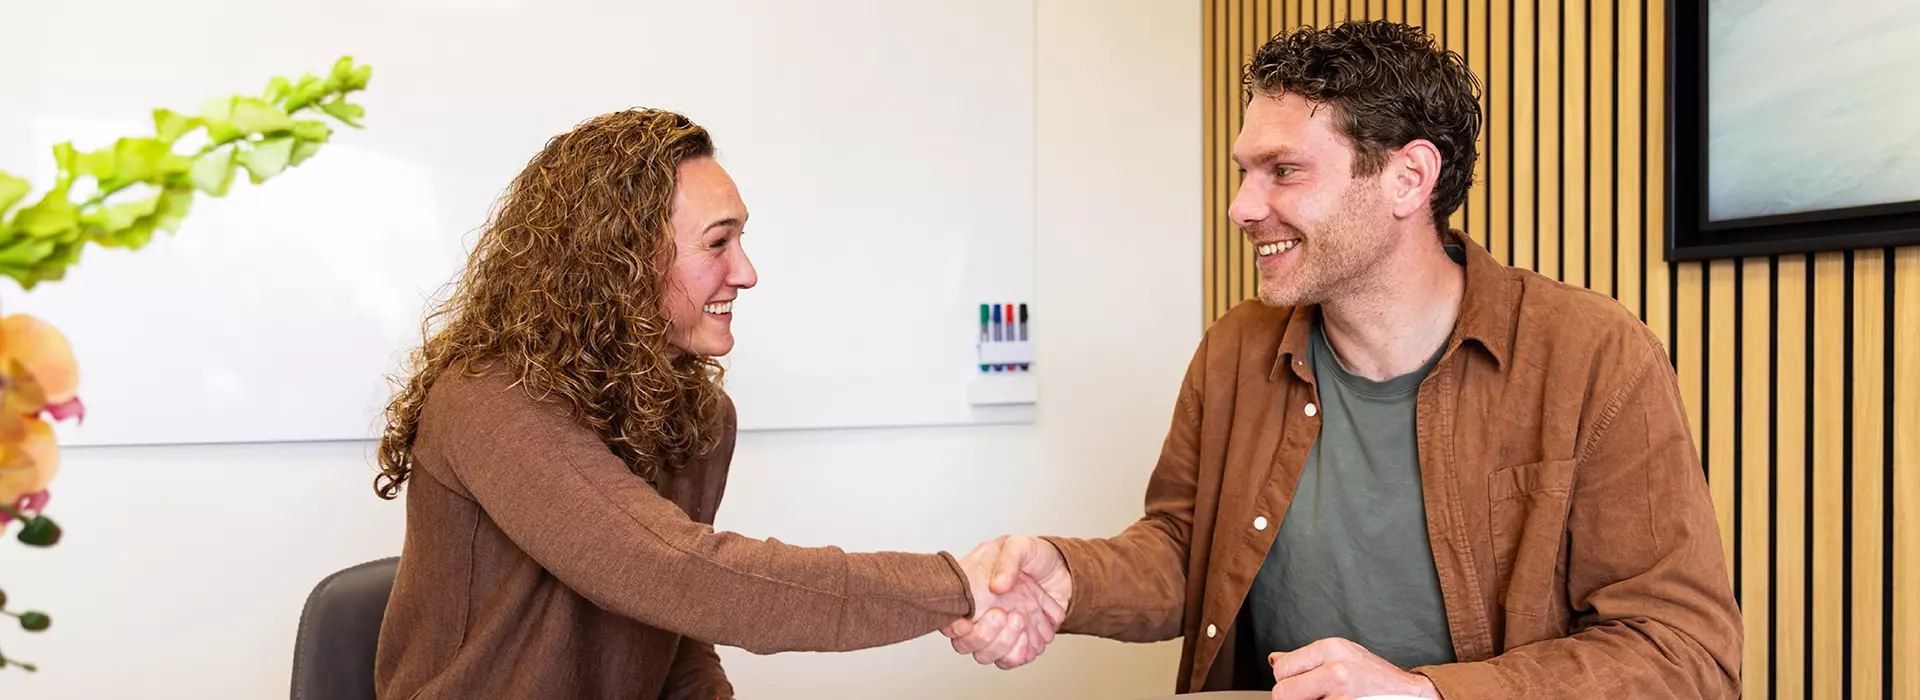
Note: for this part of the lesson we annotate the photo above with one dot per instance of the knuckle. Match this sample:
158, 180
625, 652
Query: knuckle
1341, 671
1339, 645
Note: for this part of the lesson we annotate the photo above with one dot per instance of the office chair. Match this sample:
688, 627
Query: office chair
339, 629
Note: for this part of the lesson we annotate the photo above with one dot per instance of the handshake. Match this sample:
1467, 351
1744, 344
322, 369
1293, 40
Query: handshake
1021, 590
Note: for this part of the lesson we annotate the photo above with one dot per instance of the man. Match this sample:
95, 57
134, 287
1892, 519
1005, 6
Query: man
1407, 469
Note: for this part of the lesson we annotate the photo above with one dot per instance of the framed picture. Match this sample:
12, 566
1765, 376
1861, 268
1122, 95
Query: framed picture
1793, 126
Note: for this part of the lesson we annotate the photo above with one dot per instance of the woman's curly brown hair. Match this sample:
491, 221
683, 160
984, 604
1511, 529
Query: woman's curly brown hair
1389, 84
564, 291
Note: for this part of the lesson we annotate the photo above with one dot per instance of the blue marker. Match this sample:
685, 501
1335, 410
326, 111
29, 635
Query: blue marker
998, 333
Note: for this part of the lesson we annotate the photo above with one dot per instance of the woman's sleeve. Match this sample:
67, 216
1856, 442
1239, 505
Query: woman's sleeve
555, 489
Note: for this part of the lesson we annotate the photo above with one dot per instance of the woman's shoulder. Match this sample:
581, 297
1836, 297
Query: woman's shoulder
485, 395
728, 417
472, 387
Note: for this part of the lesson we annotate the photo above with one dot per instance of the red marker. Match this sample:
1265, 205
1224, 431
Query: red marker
1010, 334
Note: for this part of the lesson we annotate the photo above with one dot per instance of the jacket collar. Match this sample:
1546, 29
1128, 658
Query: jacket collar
1486, 311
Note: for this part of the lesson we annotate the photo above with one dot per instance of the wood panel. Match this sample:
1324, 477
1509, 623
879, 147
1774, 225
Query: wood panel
1629, 160
1690, 337
1214, 181
1602, 160
1906, 460
1719, 413
1573, 142
1753, 462
1526, 136
1864, 473
1497, 106
1660, 296
1829, 418
1550, 142
1790, 470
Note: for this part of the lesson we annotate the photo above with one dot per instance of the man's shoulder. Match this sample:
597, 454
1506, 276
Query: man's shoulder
1555, 318
1250, 331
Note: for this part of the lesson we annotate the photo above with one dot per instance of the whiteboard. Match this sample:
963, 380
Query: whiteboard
884, 149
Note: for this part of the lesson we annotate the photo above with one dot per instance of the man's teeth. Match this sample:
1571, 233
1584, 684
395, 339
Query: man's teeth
725, 307
1276, 248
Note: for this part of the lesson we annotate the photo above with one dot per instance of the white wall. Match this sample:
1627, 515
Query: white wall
184, 568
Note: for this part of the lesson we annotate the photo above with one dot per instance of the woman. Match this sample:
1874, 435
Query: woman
565, 442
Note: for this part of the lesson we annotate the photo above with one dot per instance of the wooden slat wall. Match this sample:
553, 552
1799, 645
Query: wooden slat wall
1801, 373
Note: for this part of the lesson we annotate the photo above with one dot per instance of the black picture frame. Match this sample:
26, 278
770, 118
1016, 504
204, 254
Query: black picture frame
1689, 234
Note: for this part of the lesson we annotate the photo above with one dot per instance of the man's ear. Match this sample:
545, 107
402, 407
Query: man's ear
1411, 174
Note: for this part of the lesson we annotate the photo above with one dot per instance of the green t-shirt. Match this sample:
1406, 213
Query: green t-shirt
1351, 557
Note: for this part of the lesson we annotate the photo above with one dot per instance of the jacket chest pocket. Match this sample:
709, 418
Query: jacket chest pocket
1529, 524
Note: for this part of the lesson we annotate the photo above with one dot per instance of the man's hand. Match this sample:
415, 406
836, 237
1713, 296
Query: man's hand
1024, 600
1337, 668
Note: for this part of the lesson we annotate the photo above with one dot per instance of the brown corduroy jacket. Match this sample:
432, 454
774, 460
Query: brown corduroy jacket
1577, 548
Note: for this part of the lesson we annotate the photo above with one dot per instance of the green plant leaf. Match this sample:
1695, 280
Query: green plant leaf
344, 111
53, 215
268, 158
174, 205
134, 237
219, 132
302, 151
137, 160
12, 189
99, 163
40, 242
253, 116
341, 75
24, 252
219, 109
68, 161
169, 126
311, 130
277, 90
309, 90
213, 172
169, 165
123, 215
217, 114
32, 621
64, 255
22, 276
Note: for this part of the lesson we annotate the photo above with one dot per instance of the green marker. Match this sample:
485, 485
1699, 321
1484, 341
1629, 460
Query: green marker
983, 333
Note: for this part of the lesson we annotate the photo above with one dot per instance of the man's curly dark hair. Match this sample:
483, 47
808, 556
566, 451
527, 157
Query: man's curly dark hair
1388, 84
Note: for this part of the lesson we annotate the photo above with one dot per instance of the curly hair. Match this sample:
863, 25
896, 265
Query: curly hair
1389, 85
564, 289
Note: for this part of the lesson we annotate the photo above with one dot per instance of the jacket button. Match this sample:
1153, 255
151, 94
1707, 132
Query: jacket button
1260, 523
1311, 410
1211, 631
